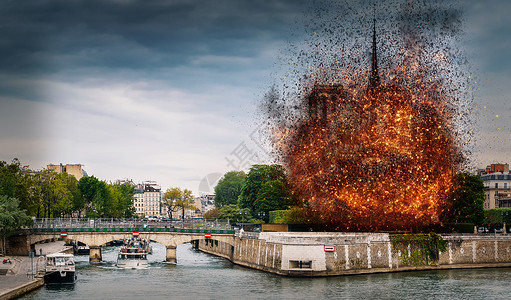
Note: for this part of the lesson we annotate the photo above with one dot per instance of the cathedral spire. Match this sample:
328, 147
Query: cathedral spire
374, 78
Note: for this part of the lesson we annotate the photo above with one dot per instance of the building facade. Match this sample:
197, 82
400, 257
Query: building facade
207, 203
147, 200
497, 186
71, 169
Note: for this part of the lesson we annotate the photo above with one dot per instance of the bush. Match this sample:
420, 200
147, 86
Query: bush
278, 216
463, 227
497, 216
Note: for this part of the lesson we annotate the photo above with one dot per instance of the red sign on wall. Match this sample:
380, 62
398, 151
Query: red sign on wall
136, 233
207, 235
63, 234
329, 248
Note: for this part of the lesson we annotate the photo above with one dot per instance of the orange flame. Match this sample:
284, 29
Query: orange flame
380, 159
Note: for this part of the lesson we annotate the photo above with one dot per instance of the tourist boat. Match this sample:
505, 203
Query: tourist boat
133, 254
82, 249
60, 269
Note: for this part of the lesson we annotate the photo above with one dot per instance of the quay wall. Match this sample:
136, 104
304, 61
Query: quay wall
331, 254
21, 290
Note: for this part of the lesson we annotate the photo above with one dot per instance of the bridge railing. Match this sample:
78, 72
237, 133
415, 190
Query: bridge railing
128, 223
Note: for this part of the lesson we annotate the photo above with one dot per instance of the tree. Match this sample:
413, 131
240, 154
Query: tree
265, 189
212, 214
46, 190
228, 188
235, 214
232, 212
122, 200
87, 186
77, 202
63, 198
171, 195
177, 199
497, 216
15, 183
467, 200
102, 203
273, 195
11, 217
98, 201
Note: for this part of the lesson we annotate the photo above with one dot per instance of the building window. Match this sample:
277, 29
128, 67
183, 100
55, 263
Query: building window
496, 185
299, 264
505, 185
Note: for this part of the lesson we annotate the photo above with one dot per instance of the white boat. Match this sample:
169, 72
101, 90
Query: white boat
133, 254
60, 269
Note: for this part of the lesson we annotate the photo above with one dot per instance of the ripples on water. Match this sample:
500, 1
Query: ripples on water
201, 276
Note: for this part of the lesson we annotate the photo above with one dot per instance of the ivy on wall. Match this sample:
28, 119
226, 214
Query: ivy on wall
418, 249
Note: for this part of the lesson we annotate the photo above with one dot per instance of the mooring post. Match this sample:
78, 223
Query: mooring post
171, 254
95, 254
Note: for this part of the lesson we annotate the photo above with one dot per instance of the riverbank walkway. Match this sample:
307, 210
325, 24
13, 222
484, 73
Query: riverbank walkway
18, 275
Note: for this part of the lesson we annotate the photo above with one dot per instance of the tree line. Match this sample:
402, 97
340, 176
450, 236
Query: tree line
47, 194
250, 197
265, 191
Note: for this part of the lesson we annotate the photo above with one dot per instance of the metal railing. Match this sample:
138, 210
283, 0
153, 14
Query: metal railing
128, 223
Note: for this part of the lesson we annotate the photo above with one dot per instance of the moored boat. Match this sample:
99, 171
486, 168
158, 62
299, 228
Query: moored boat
60, 269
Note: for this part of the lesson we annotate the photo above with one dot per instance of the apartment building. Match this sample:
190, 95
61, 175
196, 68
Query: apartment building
497, 186
147, 200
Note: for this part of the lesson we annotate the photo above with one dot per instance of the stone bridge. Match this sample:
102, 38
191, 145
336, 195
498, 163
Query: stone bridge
95, 238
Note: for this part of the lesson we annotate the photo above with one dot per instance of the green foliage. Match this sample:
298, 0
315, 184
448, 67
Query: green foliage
212, 214
231, 212
98, 200
235, 214
466, 200
274, 195
293, 215
228, 188
14, 182
418, 249
461, 227
57, 195
279, 216
122, 198
11, 217
177, 199
87, 186
497, 216
47, 194
76, 202
265, 189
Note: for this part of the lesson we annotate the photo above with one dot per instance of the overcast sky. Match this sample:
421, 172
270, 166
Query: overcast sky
168, 90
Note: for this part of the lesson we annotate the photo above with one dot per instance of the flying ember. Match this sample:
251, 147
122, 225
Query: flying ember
365, 152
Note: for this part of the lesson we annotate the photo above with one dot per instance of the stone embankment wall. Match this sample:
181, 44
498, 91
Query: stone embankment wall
327, 254
17, 245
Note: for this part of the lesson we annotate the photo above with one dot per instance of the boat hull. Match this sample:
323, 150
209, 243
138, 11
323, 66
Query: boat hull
57, 277
83, 251
132, 264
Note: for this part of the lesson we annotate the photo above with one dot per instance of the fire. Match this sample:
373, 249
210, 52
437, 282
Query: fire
383, 159
371, 156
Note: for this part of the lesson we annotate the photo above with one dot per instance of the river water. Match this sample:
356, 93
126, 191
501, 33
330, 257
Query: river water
202, 276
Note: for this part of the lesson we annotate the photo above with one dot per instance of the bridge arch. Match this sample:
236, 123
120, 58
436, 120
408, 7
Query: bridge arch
96, 240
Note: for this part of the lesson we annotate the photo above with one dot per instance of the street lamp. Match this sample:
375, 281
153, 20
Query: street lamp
242, 214
504, 219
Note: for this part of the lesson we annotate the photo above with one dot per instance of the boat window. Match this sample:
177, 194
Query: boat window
59, 261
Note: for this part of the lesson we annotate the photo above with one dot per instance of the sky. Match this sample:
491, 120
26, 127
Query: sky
169, 90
